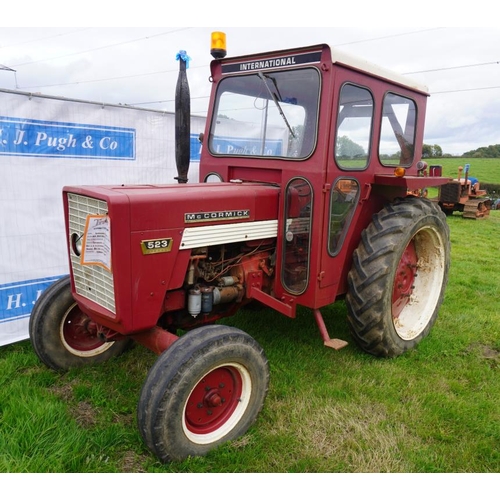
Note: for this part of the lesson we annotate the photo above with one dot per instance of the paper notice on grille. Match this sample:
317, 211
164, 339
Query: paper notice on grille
96, 249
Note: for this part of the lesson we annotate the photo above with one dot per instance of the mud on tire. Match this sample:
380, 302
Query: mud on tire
398, 277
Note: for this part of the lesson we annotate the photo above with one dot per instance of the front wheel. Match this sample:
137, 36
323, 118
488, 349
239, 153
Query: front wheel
208, 388
399, 276
60, 334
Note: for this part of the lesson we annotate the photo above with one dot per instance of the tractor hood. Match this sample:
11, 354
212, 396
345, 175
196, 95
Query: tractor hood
152, 207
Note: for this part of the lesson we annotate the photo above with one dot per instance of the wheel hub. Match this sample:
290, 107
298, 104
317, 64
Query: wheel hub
213, 400
79, 332
404, 280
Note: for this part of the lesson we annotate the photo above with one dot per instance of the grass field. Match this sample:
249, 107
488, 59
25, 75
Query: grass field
484, 169
434, 409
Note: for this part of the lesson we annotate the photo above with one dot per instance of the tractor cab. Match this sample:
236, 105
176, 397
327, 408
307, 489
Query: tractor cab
339, 136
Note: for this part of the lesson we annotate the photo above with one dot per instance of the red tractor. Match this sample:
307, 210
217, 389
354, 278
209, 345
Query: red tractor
308, 163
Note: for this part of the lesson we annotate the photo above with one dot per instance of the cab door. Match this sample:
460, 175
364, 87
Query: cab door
352, 130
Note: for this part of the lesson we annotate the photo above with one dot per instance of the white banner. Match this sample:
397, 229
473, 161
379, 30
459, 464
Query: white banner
47, 143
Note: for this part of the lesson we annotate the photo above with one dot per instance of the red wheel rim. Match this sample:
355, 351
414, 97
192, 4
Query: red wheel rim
77, 334
213, 400
404, 280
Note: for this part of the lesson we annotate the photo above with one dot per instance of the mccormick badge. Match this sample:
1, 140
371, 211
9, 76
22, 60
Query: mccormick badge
216, 216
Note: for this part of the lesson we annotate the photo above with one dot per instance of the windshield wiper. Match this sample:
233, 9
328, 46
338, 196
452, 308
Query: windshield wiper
264, 78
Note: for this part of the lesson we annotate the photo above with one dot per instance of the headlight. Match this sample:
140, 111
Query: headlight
77, 244
213, 177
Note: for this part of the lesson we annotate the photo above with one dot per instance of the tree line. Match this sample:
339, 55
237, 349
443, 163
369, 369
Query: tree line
492, 151
435, 151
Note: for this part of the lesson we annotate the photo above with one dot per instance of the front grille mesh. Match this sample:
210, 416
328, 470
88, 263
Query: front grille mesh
450, 193
92, 282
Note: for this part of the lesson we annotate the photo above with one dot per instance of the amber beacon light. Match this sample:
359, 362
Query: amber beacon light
218, 45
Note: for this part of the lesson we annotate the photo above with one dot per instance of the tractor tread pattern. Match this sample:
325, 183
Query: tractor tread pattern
373, 261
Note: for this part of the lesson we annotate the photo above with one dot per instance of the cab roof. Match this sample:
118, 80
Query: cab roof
336, 57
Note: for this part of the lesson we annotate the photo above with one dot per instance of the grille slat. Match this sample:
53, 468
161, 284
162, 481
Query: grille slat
92, 282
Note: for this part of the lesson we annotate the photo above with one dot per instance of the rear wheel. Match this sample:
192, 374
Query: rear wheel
398, 278
62, 335
208, 388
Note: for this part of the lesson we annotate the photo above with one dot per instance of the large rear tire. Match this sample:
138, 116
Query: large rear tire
59, 331
398, 278
208, 388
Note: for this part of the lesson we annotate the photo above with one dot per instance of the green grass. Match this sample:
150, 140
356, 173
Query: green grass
434, 409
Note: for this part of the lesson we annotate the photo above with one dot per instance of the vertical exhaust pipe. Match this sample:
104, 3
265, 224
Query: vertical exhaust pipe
182, 120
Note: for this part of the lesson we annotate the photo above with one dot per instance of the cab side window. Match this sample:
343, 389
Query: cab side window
344, 198
397, 137
354, 127
296, 249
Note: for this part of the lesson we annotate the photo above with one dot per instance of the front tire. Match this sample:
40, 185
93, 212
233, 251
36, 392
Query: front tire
399, 276
208, 388
58, 333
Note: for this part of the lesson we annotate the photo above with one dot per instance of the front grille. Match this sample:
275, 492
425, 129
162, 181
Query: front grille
92, 282
450, 193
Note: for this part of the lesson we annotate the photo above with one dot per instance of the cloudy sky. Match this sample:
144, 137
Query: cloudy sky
137, 65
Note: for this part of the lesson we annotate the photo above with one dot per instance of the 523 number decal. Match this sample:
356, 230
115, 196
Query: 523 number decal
156, 246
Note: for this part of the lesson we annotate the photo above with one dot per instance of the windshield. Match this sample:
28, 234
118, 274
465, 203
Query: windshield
267, 114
